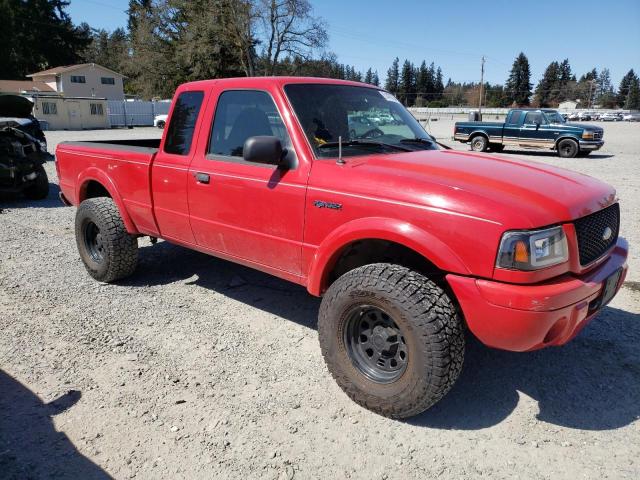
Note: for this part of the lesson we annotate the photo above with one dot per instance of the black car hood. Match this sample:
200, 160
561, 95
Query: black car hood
15, 106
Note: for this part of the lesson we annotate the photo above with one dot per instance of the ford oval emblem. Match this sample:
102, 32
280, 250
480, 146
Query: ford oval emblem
606, 235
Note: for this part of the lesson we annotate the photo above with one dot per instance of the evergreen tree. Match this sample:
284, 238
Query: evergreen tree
605, 96
375, 80
407, 89
518, 86
549, 87
625, 84
424, 84
632, 101
393, 77
36, 35
368, 77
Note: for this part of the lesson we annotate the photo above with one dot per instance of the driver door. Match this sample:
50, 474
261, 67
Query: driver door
534, 131
249, 211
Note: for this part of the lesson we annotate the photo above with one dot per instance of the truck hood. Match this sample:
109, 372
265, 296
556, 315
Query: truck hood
579, 126
514, 193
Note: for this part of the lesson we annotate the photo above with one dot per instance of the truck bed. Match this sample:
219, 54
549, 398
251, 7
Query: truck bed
121, 166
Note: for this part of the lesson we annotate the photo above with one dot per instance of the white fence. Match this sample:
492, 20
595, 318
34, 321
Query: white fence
137, 113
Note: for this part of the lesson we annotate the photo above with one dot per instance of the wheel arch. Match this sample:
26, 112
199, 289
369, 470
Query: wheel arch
565, 137
421, 248
93, 183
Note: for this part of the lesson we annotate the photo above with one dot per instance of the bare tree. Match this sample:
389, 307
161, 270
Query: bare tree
290, 29
241, 18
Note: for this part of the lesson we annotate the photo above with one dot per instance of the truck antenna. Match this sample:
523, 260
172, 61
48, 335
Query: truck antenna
340, 160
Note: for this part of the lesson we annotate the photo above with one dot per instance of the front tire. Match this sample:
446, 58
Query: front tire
391, 338
40, 188
479, 143
568, 148
107, 250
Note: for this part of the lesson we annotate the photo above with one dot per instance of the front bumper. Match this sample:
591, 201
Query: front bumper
591, 144
528, 317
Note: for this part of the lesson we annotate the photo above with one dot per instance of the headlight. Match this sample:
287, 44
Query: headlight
587, 135
532, 249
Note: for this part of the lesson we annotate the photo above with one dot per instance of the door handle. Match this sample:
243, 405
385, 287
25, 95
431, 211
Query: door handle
202, 177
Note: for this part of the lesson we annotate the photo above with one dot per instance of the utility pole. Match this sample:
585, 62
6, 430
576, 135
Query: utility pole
481, 86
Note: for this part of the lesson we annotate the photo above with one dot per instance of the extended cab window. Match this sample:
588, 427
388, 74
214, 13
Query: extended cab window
241, 114
515, 117
183, 123
533, 118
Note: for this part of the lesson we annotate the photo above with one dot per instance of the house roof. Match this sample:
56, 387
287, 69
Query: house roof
16, 86
69, 68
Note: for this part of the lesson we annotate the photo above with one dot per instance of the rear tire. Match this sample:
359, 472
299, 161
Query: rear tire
107, 250
161, 124
40, 188
479, 143
391, 338
568, 148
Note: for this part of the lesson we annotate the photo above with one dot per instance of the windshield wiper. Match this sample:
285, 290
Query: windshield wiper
365, 142
424, 141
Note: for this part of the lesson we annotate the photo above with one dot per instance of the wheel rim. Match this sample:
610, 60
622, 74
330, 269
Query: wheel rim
93, 242
375, 344
477, 145
566, 148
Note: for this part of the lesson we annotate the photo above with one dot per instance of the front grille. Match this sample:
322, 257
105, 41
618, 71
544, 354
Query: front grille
590, 230
597, 135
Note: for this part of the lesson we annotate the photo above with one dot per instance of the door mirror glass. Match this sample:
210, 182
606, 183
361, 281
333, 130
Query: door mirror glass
264, 149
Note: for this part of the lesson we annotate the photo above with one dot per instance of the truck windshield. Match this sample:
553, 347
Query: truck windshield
367, 120
554, 117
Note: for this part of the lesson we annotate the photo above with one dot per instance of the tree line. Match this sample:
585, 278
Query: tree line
168, 42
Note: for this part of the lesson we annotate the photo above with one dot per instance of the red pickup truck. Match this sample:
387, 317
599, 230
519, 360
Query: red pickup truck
406, 242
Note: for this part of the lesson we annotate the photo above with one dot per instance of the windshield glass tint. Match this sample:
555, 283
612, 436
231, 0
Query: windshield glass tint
554, 117
368, 120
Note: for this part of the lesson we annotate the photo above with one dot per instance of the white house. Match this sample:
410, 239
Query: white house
88, 80
568, 105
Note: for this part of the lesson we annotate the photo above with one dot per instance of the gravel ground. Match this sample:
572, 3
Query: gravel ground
199, 368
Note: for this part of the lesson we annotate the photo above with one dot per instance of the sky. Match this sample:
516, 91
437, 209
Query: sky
456, 34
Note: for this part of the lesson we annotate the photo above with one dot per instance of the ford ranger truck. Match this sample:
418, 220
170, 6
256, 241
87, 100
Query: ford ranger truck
406, 243
531, 129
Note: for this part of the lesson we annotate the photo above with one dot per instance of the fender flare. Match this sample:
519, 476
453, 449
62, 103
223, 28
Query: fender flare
379, 228
97, 175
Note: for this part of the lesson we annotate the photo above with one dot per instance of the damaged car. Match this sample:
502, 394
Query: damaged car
23, 150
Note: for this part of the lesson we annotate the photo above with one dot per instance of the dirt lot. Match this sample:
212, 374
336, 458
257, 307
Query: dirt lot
199, 368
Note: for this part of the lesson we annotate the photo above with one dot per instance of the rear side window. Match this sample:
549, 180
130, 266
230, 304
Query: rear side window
183, 123
533, 117
515, 117
241, 114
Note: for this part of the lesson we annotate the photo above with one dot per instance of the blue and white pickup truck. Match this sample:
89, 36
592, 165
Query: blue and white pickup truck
531, 128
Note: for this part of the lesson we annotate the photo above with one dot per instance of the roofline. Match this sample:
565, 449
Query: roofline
71, 69
282, 80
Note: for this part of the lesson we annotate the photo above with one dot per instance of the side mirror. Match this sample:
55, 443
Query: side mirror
264, 149
537, 125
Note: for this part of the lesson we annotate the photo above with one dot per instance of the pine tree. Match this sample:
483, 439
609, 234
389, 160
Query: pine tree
406, 93
37, 34
605, 96
518, 85
368, 77
549, 87
393, 77
623, 89
632, 101
424, 85
375, 80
